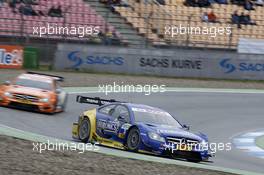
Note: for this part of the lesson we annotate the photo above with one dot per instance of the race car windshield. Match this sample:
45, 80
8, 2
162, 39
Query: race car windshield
155, 117
33, 84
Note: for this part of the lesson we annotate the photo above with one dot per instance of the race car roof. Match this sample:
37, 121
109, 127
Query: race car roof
146, 108
36, 77
142, 106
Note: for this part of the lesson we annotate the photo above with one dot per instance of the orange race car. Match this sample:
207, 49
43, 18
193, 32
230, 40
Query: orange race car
35, 92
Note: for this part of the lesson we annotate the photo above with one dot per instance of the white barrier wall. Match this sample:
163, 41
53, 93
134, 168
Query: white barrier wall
161, 62
251, 46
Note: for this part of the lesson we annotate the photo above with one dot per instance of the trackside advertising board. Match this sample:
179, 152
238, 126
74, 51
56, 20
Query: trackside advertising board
161, 62
11, 57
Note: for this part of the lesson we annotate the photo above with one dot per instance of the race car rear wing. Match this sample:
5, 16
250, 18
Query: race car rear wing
57, 78
95, 100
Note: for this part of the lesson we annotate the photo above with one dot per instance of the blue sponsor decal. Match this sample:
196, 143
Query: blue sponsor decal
74, 58
253, 67
93, 59
227, 66
242, 66
107, 125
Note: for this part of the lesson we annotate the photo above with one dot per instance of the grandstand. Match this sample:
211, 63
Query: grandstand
150, 19
76, 13
145, 22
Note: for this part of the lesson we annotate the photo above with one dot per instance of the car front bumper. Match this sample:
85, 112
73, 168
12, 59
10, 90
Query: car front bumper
164, 149
26, 105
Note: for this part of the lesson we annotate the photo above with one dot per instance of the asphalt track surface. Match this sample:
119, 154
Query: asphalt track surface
219, 115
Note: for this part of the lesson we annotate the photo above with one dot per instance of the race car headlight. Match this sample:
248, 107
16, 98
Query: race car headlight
155, 136
44, 100
8, 94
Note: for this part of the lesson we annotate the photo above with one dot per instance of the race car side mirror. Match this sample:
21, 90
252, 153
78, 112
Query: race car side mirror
186, 127
7, 83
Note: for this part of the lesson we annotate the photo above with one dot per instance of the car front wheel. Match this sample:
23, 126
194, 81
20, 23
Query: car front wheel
133, 140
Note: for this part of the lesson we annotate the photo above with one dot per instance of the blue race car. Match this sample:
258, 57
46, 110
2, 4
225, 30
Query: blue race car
138, 128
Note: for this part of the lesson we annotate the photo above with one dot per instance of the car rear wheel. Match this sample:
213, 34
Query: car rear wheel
84, 130
133, 140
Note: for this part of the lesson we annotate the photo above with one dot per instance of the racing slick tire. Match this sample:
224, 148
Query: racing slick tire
133, 140
85, 130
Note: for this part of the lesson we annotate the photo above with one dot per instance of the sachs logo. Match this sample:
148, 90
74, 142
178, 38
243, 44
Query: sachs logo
229, 67
78, 60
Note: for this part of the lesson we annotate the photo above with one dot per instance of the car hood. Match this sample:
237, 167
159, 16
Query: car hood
28, 91
170, 131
